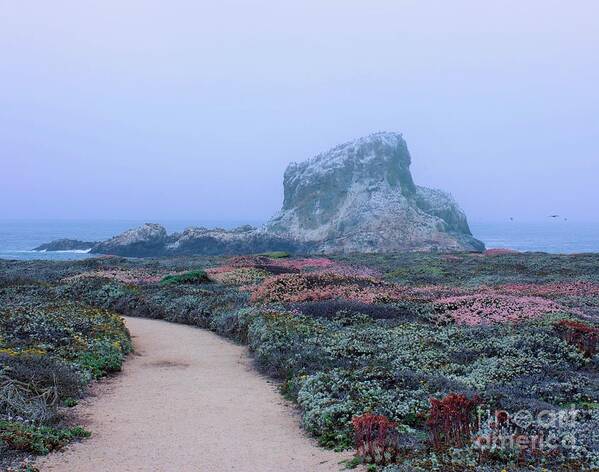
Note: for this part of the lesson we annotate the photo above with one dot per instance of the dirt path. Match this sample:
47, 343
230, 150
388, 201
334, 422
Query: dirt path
188, 400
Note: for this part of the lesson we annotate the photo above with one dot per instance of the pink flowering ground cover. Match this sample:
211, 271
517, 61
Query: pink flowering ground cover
294, 288
126, 276
243, 276
316, 286
293, 265
493, 308
296, 265
303, 264
247, 271
551, 290
318, 278
348, 270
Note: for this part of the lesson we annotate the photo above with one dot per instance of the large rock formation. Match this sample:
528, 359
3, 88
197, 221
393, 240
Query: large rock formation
357, 197
360, 197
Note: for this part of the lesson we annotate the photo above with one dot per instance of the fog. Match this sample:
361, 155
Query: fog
192, 110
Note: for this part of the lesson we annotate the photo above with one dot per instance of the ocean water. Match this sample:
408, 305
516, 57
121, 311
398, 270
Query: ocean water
19, 237
554, 236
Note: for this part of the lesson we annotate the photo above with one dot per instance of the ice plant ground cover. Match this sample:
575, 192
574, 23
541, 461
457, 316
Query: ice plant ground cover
50, 350
493, 308
384, 352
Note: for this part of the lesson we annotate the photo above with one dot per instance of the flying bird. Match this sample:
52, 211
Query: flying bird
553, 216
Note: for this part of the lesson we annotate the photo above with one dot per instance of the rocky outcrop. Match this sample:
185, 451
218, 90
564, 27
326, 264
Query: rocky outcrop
153, 240
66, 245
147, 240
360, 197
357, 197
243, 240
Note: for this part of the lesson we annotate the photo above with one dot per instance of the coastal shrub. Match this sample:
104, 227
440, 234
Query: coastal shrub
102, 358
578, 288
193, 305
6, 282
264, 263
451, 420
50, 348
41, 372
238, 277
306, 264
331, 398
100, 292
431, 293
542, 442
499, 252
364, 334
326, 365
474, 269
127, 276
337, 371
227, 324
329, 309
275, 255
376, 438
22, 400
543, 390
63, 330
37, 439
285, 345
423, 274
295, 265
192, 277
581, 335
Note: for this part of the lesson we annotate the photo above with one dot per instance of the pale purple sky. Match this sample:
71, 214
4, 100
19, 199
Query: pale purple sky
192, 109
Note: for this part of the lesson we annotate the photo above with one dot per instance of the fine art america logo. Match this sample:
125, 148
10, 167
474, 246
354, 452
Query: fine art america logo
543, 432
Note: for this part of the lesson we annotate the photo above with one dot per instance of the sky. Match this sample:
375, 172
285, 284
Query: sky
191, 109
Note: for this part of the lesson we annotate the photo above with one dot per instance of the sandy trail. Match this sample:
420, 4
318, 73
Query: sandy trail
188, 400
